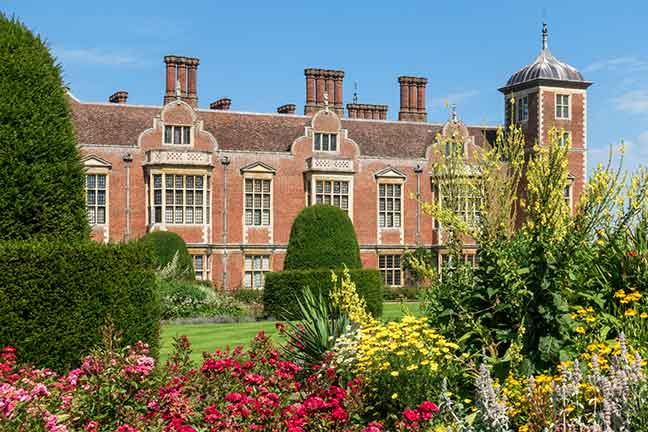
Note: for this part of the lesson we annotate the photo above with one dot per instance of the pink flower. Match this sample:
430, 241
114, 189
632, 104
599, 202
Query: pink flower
428, 406
373, 427
411, 415
339, 414
39, 390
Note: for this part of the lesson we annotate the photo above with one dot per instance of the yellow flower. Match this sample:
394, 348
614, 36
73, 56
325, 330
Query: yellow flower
630, 312
580, 330
644, 315
412, 367
394, 396
394, 373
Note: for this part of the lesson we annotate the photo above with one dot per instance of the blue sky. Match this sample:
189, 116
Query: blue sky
255, 52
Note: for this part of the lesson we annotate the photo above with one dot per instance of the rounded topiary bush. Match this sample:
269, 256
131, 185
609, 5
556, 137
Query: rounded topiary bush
322, 237
165, 245
42, 193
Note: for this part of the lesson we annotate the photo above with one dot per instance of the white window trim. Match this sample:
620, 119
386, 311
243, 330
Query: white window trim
390, 269
106, 172
176, 171
346, 178
569, 106
206, 270
179, 146
384, 181
570, 187
519, 103
259, 176
250, 253
337, 142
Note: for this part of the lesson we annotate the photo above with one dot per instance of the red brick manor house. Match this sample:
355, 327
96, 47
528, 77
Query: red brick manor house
231, 182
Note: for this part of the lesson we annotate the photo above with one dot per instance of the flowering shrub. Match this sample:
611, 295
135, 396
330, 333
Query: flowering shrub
237, 390
579, 397
403, 362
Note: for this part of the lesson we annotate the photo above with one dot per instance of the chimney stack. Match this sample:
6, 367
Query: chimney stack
181, 77
222, 104
367, 111
412, 99
119, 97
320, 81
287, 109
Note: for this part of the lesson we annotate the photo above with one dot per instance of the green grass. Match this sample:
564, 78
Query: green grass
209, 337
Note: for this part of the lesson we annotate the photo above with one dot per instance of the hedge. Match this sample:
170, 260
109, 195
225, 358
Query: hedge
283, 288
42, 178
322, 237
165, 245
55, 298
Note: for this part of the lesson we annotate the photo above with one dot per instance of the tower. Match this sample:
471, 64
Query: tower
549, 93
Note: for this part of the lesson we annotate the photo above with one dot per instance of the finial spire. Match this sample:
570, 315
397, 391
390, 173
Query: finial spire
355, 92
453, 116
326, 100
545, 36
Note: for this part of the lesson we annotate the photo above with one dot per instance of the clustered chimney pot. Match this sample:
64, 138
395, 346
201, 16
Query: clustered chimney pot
367, 111
119, 97
412, 98
185, 71
222, 104
287, 109
320, 81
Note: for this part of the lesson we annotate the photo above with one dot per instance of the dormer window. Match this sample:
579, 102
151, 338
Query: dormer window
523, 109
177, 135
325, 142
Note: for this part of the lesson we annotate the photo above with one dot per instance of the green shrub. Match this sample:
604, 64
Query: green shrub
400, 293
166, 245
56, 297
283, 288
189, 299
249, 295
322, 237
42, 193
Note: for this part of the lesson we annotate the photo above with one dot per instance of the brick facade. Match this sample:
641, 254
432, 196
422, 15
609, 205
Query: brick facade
226, 148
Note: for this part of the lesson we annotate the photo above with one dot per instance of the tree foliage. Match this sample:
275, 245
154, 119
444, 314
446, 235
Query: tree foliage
322, 237
42, 178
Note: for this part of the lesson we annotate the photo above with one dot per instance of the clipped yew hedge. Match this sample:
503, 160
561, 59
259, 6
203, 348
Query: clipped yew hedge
165, 245
55, 298
282, 289
322, 237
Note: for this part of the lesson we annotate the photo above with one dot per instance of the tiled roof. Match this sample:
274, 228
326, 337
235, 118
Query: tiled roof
117, 124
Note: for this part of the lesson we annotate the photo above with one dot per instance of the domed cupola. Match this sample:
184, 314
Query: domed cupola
545, 70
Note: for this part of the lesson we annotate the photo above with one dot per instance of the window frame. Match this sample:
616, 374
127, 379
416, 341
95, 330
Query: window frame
322, 134
568, 195
205, 272
97, 172
260, 178
332, 178
466, 198
522, 109
562, 110
163, 205
385, 270
386, 182
264, 255
187, 131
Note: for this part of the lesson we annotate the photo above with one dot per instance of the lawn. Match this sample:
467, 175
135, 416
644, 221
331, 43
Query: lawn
208, 337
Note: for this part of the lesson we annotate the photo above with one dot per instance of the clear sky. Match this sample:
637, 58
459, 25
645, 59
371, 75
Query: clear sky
255, 52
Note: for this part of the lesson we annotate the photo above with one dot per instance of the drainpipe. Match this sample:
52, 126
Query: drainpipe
225, 161
127, 158
418, 170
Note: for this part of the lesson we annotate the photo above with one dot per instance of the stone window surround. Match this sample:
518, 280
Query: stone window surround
259, 176
337, 142
192, 132
569, 106
95, 170
207, 193
383, 270
255, 253
398, 181
337, 177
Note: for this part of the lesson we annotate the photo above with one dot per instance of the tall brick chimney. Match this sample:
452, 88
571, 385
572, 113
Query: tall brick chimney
412, 98
222, 104
119, 97
287, 109
182, 71
320, 81
367, 111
